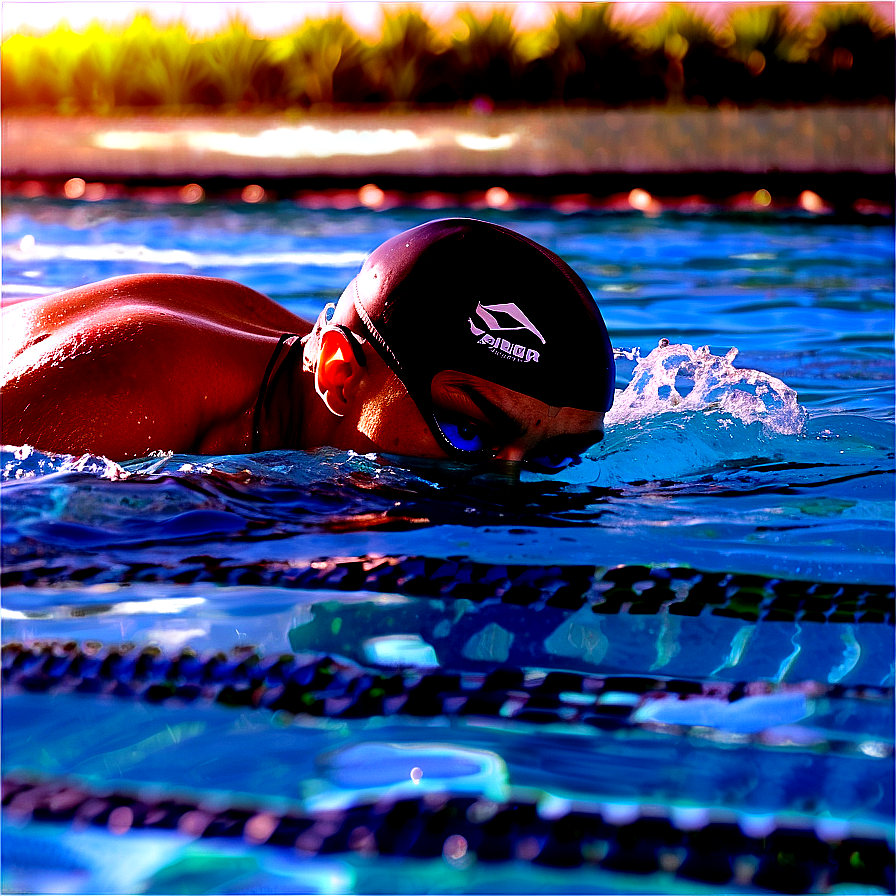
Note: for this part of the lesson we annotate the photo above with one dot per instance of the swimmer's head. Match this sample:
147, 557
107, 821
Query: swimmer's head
476, 299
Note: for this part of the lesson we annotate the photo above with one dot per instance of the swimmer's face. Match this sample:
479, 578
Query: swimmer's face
479, 421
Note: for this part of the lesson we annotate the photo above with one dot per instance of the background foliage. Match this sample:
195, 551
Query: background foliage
585, 56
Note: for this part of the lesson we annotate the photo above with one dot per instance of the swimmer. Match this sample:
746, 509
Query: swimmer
458, 339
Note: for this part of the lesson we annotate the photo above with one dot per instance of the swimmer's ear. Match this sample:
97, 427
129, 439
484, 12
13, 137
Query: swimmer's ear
338, 371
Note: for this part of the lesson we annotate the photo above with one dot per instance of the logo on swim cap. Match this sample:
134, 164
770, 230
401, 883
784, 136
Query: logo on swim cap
491, 316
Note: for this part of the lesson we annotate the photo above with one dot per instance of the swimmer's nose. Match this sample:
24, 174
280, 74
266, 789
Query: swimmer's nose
500, 471
506, 465
511, 454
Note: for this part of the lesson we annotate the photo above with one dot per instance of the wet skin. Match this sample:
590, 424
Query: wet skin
513, 427
173, 363
136, 364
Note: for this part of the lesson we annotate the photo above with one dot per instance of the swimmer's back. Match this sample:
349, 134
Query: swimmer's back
139, 363
223, 302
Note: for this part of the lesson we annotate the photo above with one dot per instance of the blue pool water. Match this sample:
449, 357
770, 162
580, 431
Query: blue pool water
775, 461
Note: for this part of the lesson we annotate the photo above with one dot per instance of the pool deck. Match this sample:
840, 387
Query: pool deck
458, 143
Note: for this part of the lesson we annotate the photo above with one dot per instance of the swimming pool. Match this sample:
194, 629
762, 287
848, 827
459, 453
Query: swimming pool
667, 669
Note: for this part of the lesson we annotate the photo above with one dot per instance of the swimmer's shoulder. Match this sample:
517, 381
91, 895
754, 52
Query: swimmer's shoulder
139, 363
197, 301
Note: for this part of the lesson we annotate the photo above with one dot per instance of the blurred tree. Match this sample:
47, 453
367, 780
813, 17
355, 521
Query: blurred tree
323, 63
596, 60
29, 75
157, 66
405, 65
237, 68
857, 55
483, 59
587, 55
700, 66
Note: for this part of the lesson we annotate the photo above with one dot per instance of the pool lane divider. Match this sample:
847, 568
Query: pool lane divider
633, 589
325, 687
713, 846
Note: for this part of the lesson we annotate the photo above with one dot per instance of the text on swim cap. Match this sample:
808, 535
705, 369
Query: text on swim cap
498, 344
512, 349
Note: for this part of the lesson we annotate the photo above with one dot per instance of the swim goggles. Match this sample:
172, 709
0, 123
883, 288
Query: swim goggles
462, 438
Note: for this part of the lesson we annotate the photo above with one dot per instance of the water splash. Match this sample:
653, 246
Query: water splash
24, 462
678, 377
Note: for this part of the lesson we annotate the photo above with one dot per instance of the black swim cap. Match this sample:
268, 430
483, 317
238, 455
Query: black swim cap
467, 295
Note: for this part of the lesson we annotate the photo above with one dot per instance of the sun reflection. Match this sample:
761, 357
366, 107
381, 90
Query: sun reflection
307, 141
642, 201
811, 202
94, 192
74, 187
639, 199
120, 820
136, 140
192, 193
260, 827
371, 196
455, 851
498, 197
252, 193
481, 143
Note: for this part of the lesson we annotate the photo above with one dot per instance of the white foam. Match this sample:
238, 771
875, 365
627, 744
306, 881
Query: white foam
678, 377
26, 463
